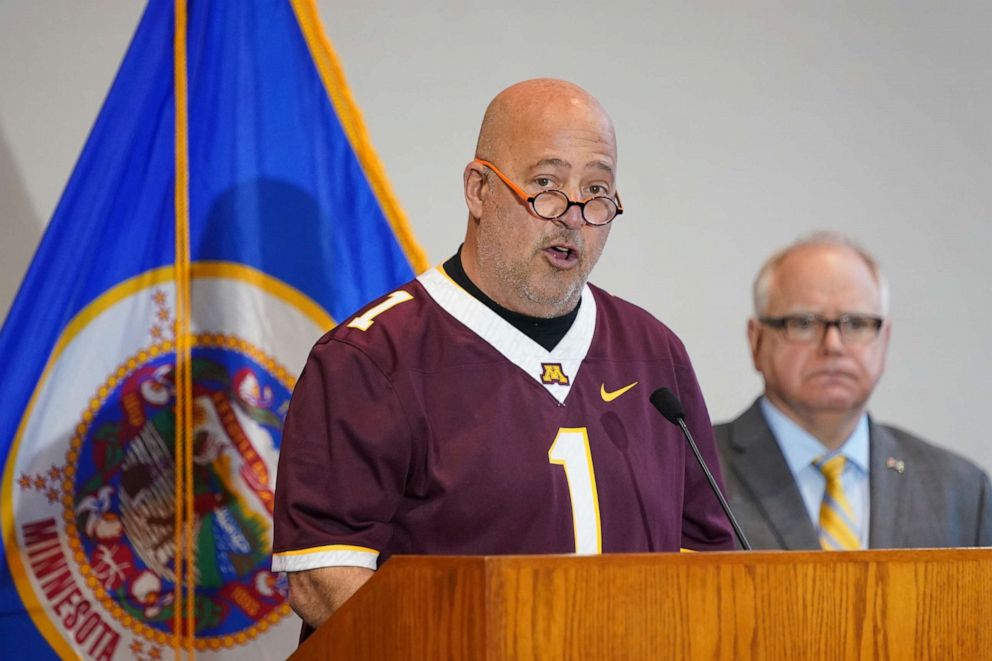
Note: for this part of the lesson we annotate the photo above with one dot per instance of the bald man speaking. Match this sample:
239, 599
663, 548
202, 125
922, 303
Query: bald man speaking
498, 404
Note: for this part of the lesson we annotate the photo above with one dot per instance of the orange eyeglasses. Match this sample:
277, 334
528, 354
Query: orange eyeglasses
552, 204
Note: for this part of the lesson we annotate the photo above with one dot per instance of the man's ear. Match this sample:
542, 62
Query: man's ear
754, 337
474, 179
884, 339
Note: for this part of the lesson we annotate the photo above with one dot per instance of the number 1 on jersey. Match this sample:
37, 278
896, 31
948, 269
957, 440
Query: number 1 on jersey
365, 321
571, 451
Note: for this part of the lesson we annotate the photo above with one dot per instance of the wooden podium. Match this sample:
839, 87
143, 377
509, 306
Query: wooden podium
918, 604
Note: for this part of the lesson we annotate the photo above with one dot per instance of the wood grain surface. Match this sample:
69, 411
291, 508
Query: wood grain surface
913, 604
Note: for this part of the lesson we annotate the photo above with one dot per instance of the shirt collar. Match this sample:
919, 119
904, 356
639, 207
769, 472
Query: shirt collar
800, 448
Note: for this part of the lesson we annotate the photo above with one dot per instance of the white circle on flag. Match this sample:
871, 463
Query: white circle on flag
89, 489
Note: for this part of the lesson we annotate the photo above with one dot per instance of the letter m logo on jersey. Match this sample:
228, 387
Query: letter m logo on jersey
225, 211
553, 373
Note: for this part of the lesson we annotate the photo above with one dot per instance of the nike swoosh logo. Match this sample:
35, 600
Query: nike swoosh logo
610, 396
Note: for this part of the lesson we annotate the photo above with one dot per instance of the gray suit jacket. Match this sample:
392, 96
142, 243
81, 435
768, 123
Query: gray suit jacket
938, 500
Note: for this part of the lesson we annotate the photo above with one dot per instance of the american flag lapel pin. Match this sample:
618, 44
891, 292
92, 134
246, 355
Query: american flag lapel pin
898, 465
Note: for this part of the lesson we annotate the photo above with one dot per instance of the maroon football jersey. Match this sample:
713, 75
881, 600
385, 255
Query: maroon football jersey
427, 424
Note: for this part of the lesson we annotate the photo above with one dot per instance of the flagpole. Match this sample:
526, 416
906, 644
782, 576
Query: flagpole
185, 632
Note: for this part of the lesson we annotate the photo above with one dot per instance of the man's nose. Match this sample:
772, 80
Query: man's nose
572, 218
832, 341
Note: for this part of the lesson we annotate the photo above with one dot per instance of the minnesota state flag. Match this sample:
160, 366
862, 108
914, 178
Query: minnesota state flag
226, 210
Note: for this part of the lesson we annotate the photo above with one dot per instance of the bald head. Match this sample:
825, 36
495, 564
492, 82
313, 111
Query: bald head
536, 103
816, 243
536, 136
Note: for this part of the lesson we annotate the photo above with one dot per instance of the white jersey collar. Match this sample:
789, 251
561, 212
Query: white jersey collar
556, 370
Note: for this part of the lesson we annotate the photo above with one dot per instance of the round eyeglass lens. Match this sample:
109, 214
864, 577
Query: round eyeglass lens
599, 211
550, 204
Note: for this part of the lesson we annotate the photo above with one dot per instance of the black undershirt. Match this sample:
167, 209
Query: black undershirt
546, 332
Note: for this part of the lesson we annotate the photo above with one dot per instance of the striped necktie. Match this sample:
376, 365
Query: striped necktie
836, 515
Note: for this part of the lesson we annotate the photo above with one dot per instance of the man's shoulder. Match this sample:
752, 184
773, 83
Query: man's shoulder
629, 324
613, 305
723, 432
393, 324
750, 421
907, 447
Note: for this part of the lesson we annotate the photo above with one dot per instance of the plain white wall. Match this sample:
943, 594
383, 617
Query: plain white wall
741, 126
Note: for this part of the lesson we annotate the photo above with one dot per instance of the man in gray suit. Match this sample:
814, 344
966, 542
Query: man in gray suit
806, 466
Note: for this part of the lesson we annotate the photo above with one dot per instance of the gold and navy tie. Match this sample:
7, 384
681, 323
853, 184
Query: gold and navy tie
836, 516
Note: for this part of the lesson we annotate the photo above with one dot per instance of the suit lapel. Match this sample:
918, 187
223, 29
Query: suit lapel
887, 490
764, 472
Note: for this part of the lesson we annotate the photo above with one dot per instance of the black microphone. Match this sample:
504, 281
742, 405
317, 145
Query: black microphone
669, 406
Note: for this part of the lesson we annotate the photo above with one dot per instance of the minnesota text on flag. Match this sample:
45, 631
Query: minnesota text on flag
290, 226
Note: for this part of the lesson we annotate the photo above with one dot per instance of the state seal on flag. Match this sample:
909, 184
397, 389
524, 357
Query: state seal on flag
92, 492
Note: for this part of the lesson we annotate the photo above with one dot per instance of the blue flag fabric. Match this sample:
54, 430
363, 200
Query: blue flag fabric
291, 227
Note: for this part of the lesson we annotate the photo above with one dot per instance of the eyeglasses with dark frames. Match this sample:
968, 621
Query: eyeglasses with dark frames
552, 204
805, 328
